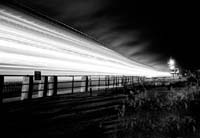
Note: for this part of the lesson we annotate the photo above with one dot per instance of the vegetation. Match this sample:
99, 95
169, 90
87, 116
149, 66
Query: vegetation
162, 113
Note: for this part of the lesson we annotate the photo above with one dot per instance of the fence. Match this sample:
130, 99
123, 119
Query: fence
17, 88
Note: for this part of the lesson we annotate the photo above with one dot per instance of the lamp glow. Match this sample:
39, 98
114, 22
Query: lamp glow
171, 64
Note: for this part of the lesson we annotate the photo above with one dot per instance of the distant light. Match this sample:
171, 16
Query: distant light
171, 64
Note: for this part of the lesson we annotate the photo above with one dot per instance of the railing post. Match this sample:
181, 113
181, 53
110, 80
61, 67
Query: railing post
90, 86
50, 85
128, 78
113, 82
125, 81
138, 80
30, 90
132, 80
55, 85
118, 81
86, 84
122, 81
108, 82
99, 83
25, 88
73, 84
39, 86
1, 87
45, 86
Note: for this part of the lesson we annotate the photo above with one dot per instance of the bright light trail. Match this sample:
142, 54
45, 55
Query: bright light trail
29, 43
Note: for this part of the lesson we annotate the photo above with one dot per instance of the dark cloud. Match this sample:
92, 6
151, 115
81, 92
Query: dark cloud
144, 32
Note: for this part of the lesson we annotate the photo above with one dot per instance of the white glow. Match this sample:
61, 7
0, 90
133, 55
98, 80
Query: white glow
28, 44
171, 64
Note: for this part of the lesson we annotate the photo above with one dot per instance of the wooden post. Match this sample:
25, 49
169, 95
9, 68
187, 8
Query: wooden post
50, 86
86, 84
128, 80
99, 83
83, 83
124, 80
30, 90
113, 82
55, 84
73, 84
108, 81
90, 86
132, 80
120, 81
25, 88
39, 86
45, 86
1, 87
116, 81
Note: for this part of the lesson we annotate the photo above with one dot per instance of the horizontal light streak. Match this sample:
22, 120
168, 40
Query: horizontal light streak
69, 36
24, 49
45, 37
27, 43
40, 63
38, 25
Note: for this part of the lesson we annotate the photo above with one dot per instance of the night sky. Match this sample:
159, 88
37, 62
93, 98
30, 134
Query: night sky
149, 33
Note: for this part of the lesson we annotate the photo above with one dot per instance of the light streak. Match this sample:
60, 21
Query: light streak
28, 44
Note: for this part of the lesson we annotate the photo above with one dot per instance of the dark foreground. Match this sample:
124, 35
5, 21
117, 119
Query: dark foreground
138, 112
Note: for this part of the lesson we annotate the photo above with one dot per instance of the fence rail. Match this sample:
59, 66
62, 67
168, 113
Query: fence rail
17, 87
